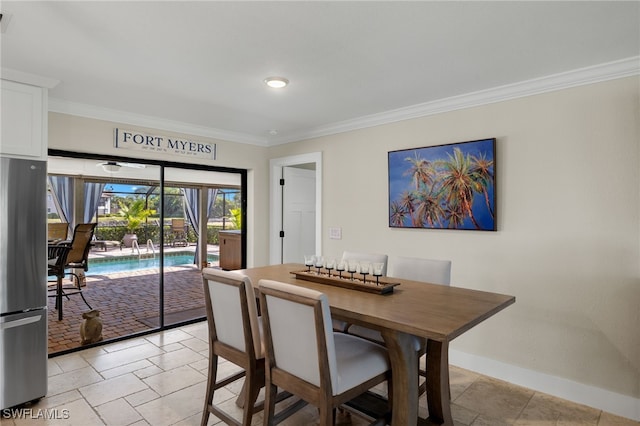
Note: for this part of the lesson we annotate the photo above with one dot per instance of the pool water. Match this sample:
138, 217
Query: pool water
133, 263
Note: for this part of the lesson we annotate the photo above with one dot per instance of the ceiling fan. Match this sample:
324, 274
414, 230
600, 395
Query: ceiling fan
114, 166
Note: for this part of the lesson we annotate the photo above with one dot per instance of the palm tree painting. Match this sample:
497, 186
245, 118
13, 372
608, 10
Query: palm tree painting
444, 187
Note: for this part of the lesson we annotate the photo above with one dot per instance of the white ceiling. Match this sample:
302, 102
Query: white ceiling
199, 66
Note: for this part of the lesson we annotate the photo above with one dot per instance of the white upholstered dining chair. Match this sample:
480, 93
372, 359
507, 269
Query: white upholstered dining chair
420, 269
339, 325
367, 257
416, 269
307, 358
235, 334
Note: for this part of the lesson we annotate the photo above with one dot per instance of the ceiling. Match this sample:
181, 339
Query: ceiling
199, 66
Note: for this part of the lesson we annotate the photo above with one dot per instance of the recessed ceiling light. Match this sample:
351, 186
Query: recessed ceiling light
276, 82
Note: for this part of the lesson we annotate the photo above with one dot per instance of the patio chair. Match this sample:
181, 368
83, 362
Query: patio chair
57, 231
57, 258
179, 232
77, 258
307, 358
80, 245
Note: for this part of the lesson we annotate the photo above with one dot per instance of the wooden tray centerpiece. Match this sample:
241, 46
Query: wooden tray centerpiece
383, 286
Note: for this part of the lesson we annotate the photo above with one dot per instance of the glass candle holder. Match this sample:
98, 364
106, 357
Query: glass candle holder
376, 270
309, 261
341, 265
365, 267
331, 264
319, 263
352, 267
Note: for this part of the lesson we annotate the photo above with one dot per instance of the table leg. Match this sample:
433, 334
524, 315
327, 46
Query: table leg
438, 398
404, 369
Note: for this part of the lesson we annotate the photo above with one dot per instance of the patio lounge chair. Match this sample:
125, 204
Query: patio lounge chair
104, 245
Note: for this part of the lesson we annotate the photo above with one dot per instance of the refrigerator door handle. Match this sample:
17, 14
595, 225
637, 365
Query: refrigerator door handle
20, 322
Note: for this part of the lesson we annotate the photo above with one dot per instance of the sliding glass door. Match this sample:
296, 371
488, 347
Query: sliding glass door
198, 204
158, 226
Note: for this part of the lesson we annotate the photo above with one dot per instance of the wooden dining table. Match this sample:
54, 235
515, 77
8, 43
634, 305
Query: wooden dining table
414, 309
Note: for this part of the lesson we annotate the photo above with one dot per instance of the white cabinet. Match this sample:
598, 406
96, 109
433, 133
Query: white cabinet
23, 121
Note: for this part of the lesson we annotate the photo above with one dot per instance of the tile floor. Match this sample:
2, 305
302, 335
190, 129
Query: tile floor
160, 379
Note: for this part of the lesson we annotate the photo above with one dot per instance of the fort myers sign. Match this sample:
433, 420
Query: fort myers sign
129, 139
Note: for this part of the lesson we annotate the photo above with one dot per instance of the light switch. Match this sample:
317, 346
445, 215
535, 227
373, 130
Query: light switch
335, 233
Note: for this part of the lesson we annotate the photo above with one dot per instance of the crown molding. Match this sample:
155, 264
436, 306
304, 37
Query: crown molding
124, 117
30, 79
608, 71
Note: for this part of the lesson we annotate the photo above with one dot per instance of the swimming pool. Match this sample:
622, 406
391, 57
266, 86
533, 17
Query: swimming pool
133, 263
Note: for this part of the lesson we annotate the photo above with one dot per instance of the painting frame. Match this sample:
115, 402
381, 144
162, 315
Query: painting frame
448, 186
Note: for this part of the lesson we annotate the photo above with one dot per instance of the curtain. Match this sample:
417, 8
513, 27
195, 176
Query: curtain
192, 196
92, 193
62, 191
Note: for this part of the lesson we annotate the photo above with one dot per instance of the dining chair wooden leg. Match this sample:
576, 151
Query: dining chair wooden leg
211, 383
253, 384
242, 396
270, 404
326, 414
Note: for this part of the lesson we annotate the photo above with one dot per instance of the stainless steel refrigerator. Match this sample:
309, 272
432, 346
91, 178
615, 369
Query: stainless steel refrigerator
23, 281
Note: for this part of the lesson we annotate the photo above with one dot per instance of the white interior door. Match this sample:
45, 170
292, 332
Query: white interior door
311, 162
298, 214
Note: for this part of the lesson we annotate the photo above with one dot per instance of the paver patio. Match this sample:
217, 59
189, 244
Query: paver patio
128, 303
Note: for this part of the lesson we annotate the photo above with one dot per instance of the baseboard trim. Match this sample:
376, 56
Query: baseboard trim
602, 399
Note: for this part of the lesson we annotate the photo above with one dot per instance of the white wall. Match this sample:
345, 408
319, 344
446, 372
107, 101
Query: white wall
568, 239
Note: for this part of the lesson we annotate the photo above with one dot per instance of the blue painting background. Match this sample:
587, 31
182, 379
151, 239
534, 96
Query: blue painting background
399, 182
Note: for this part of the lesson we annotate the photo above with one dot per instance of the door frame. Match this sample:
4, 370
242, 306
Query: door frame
275, 196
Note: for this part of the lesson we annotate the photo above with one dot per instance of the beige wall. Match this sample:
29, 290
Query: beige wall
567, 244
568, 239
72, 133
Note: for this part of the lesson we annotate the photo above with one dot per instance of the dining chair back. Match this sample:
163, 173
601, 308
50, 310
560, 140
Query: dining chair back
235, 335
339, 325
420, 269
367, 257
307, 358
417, 269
